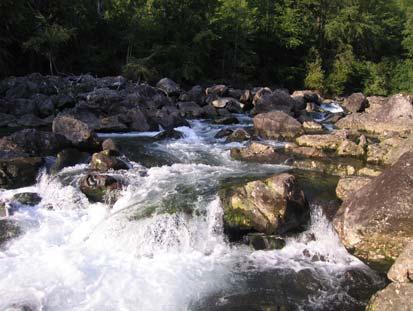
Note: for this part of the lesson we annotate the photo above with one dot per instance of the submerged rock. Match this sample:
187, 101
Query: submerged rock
19, 172
223, 133
260, 241
274, 205
277, 124
256, 152
375, 222
169, 134
27, 198
100, 188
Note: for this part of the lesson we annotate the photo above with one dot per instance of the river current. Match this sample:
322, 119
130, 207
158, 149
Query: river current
162, 246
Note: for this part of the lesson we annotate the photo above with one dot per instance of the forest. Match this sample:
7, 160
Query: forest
334, 46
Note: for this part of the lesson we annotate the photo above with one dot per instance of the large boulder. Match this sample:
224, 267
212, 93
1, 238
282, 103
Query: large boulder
190, 109
277, 124
393, 115
388, 151
277, 100
395, 297
76, 131
19, 172
34, 143
274, 205
136, 120
356, 102
375, 222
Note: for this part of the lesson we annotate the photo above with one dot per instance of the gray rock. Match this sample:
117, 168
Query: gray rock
27, 198
168, 86
276, 124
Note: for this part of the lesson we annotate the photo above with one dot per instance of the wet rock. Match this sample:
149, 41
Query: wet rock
260, 241
274, 205
33, 142
169, 134
356, 102
76, 131
226, 121
402, 269
277, 100
276, 124
218, 90
19, 172
169, 120
100, 188
239, 135
70, 157
375, 223
107, 160
347, 186
27, 198
395, 297
8, 230
231, 104
393, 115
223, 133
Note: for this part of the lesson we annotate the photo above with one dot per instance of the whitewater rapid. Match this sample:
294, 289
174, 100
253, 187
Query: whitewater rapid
140, 254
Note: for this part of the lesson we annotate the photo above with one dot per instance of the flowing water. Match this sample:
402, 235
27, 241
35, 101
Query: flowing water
162, 246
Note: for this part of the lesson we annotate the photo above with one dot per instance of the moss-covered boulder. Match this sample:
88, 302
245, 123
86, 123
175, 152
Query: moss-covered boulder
272, 206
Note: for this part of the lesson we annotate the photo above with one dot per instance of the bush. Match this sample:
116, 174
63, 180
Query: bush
315, 74
137, 70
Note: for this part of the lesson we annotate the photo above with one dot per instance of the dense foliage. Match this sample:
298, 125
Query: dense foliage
335, 46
